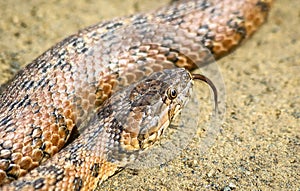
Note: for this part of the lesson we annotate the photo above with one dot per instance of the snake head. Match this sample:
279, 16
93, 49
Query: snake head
154, 102
145, 109
166, 93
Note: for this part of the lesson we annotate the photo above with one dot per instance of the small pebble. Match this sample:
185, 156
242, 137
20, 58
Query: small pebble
231, 185
226, 188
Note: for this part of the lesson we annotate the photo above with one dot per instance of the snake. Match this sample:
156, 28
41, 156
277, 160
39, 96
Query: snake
128, 123
46, 105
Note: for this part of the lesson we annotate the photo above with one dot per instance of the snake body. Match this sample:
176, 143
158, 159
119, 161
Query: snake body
126, 124
52, 97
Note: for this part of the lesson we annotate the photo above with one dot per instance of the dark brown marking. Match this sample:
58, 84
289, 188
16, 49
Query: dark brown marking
39, 183
95, 169
77, 184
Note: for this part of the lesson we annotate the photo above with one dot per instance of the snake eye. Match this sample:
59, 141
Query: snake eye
172, 93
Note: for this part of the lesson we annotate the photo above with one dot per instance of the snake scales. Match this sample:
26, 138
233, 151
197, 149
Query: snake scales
51, 97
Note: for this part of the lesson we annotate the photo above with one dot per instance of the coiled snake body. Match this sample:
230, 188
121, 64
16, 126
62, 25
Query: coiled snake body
52, 97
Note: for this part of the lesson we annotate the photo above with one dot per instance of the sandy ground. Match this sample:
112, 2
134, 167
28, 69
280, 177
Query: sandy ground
259, 146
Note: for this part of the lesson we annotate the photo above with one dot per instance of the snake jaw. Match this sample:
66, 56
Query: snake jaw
147, 140
173, 112
154, 133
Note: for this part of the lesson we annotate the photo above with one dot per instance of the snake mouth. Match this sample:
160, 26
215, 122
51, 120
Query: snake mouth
149, 139
145, 138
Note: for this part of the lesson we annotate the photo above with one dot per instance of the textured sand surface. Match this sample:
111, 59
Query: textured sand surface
259, 146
